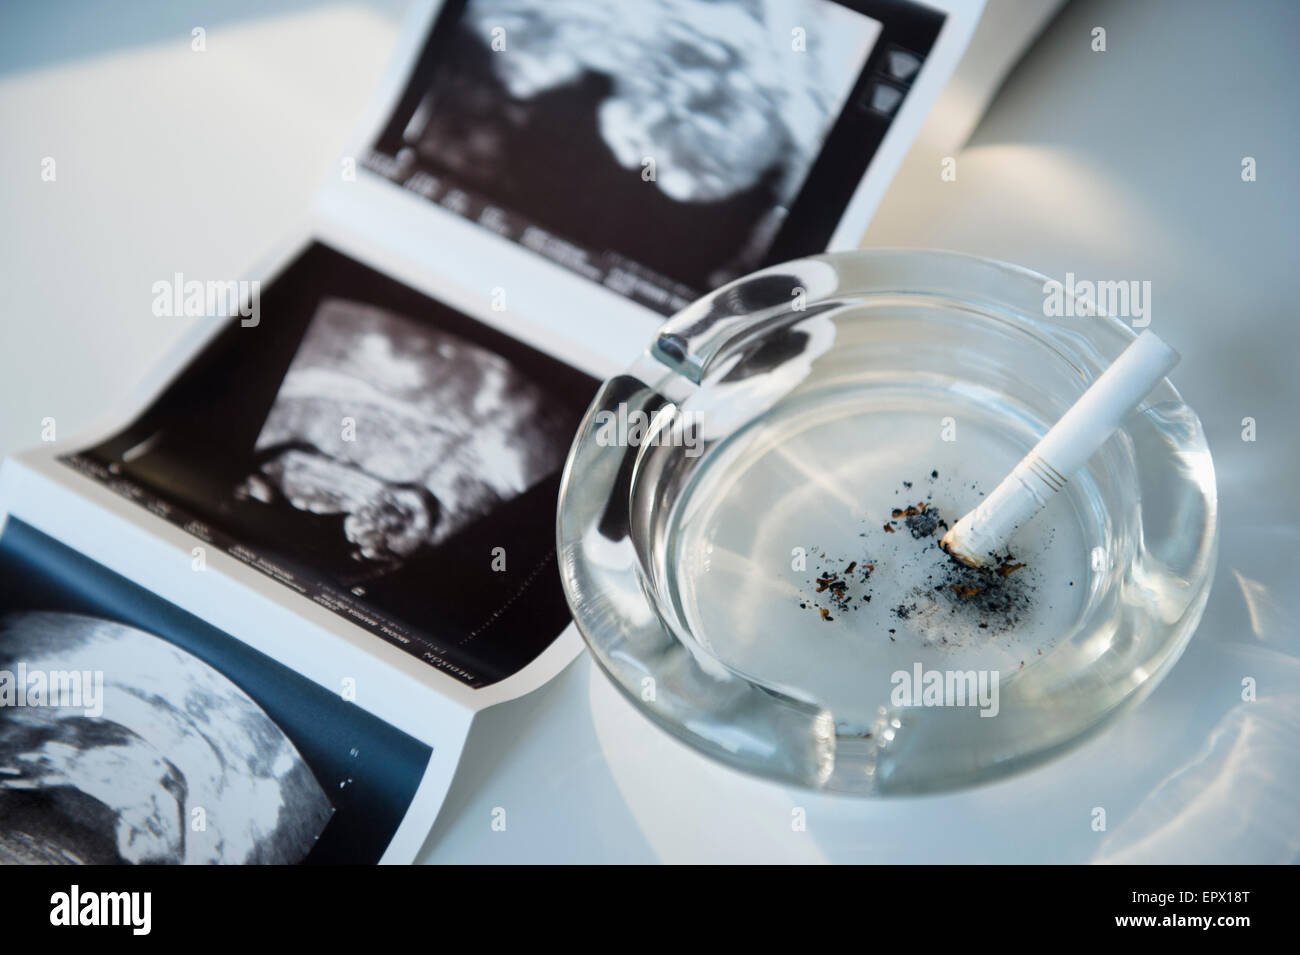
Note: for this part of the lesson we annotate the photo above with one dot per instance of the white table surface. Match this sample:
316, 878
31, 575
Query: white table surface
1116, 165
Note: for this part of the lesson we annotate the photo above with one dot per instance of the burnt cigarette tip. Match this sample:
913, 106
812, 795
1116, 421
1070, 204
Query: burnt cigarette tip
949, 547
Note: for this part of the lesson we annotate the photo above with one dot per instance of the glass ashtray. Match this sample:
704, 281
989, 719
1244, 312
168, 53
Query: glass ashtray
749, 521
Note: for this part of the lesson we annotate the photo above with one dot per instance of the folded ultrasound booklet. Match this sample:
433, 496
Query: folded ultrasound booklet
251, 618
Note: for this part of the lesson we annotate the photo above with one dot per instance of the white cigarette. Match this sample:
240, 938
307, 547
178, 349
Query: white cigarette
1062, 451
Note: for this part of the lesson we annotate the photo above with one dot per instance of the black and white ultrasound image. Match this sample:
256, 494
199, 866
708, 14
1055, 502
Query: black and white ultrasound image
665, 138
162, 760
379, 453
134, 732
408, 432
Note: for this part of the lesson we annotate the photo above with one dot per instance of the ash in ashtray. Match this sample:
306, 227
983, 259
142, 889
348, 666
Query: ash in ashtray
833, 589
993, 599
921, 519
939, 598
